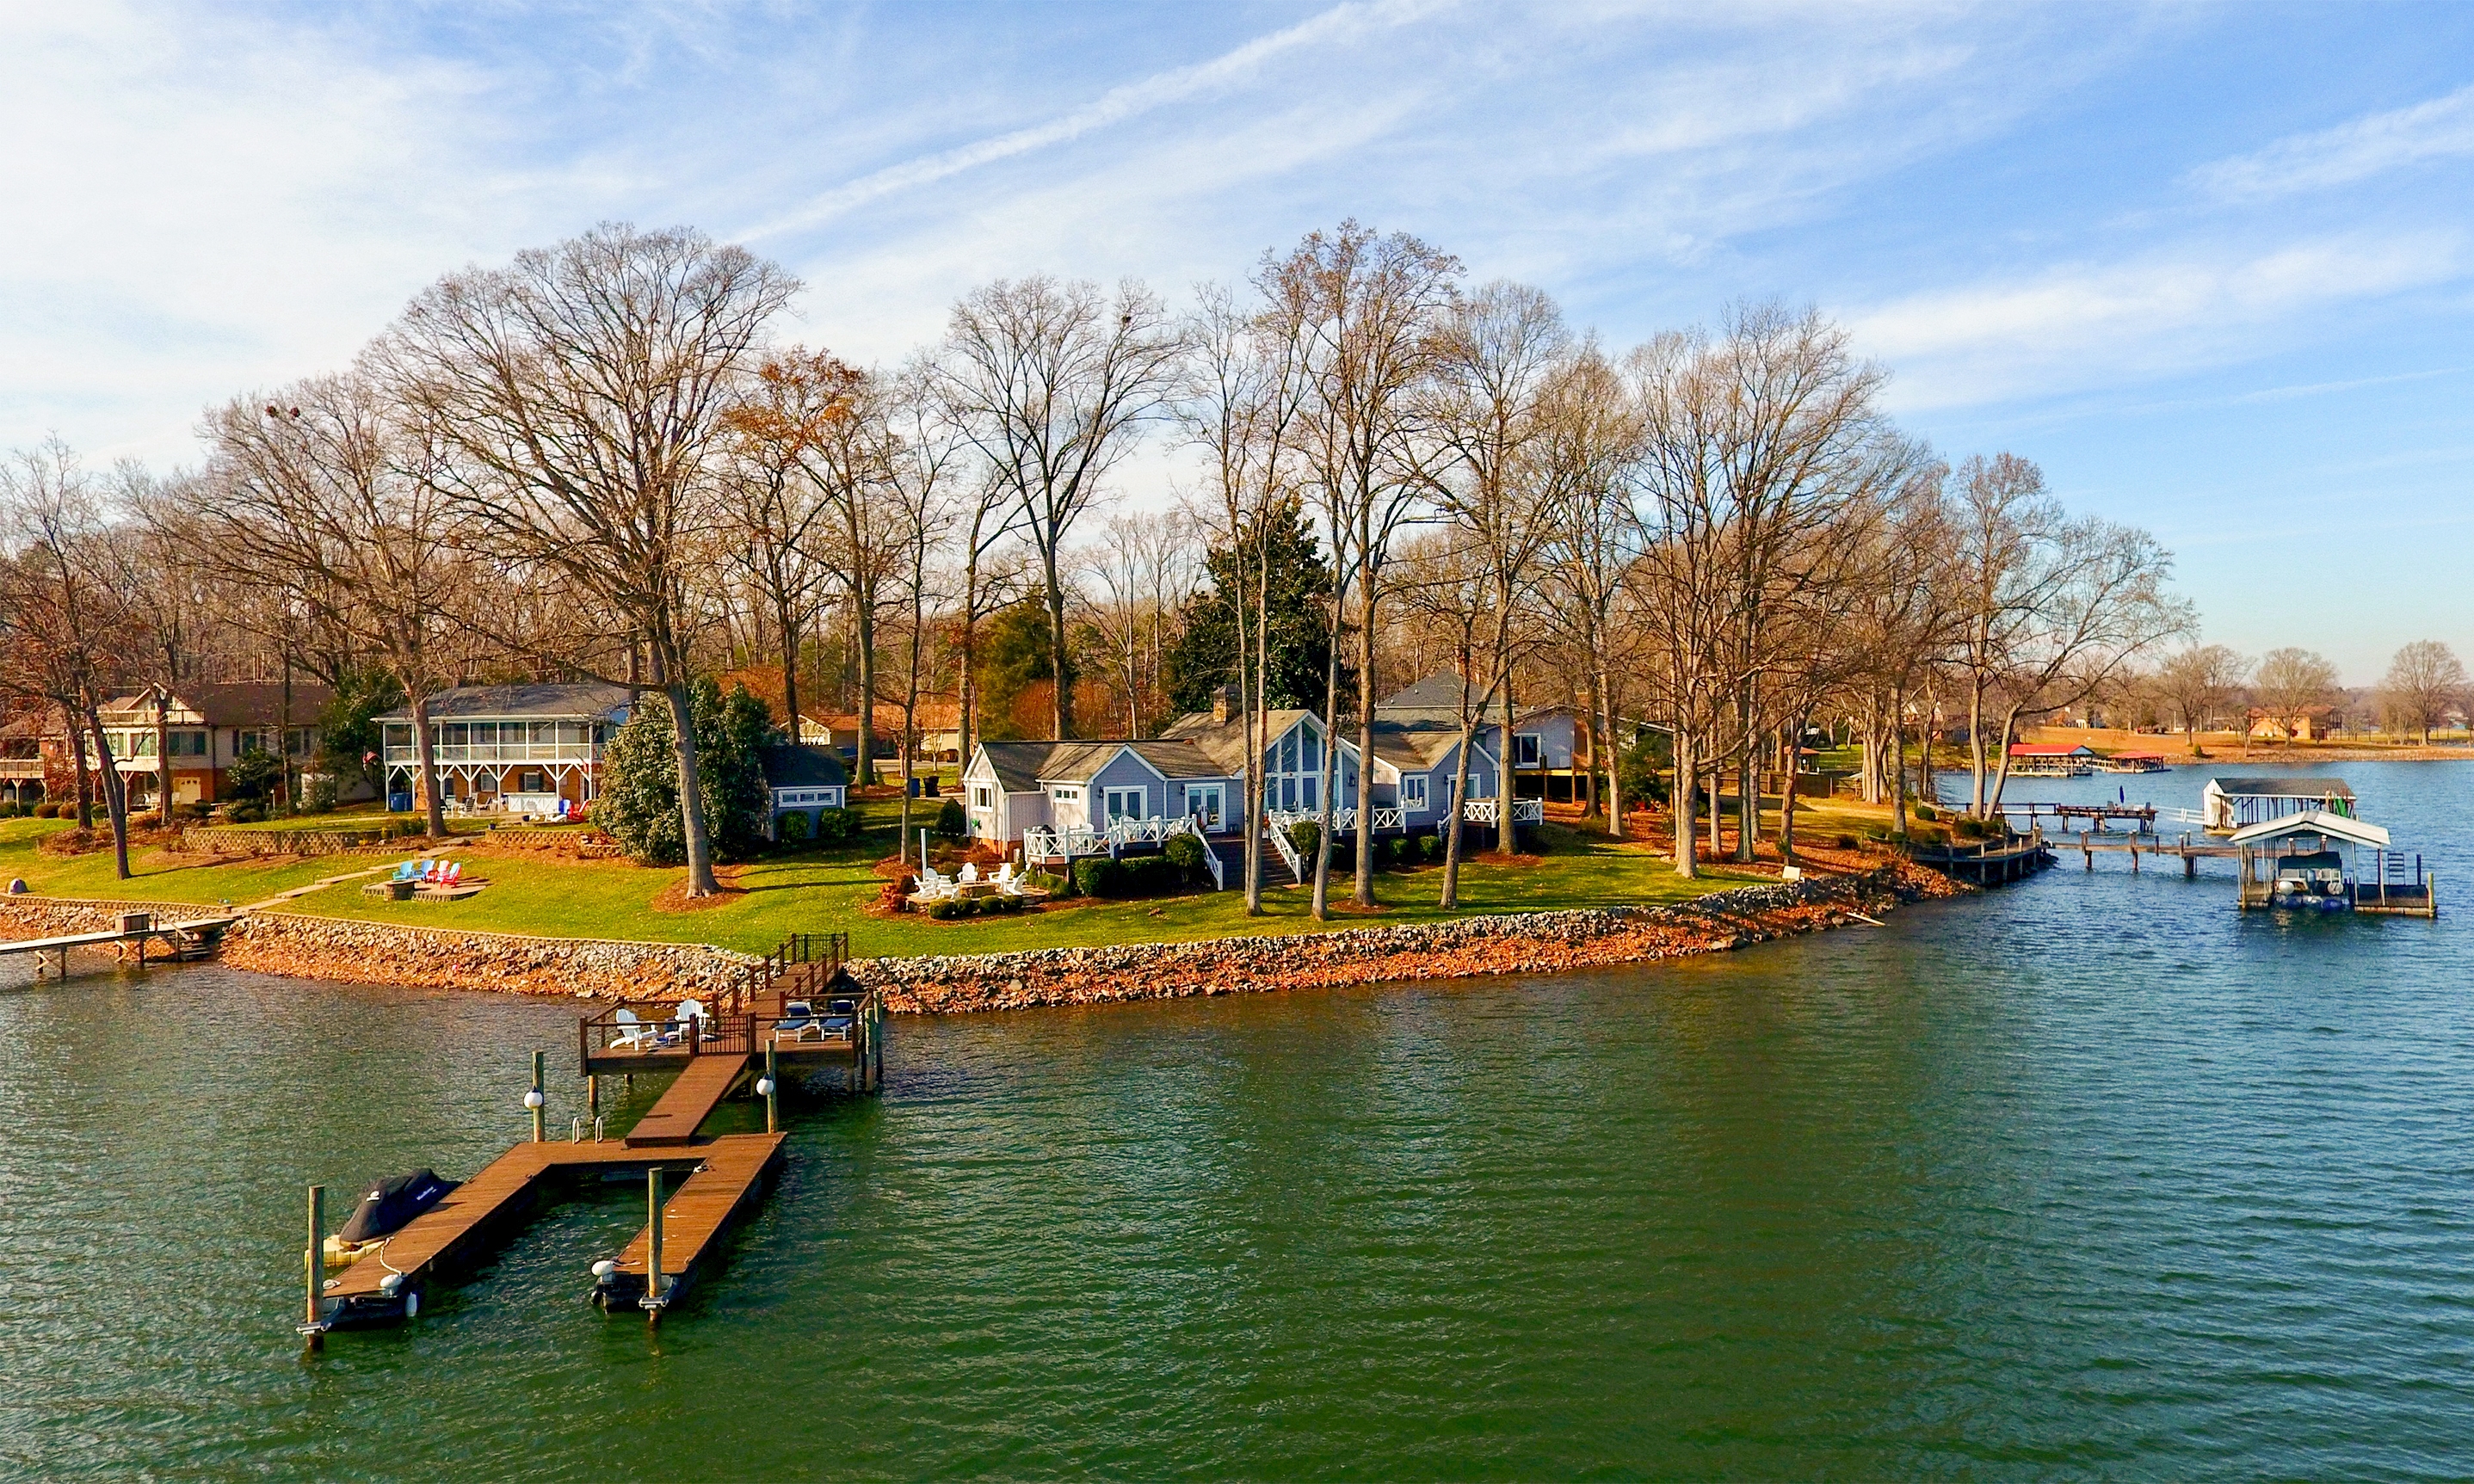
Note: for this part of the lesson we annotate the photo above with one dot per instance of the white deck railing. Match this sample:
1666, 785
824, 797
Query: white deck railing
1524, 811
1280, 838
1040, 844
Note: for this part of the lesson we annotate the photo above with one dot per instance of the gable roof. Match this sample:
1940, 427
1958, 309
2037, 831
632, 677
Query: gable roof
1225, 742
233, 704
1021, 767
803, 767
1440, 691
1419, 746
2312, 822
2304, 786
539, 701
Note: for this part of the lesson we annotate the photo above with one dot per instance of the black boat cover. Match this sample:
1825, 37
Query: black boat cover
391, 1203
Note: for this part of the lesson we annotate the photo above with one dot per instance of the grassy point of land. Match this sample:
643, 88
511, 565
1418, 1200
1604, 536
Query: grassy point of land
831, 889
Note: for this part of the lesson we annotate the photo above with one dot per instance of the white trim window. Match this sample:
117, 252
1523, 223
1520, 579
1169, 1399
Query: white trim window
1528, 748
1206, 803
1125, 803
1413, 793
982, 797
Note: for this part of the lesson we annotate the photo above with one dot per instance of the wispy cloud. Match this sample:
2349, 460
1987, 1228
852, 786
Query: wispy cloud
1116, 105
2374, 145
2070, 327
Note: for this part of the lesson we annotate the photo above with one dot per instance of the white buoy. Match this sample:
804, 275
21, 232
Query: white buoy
604, 1268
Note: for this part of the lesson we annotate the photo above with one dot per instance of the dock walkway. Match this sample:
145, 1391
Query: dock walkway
690, 1099
722, 1191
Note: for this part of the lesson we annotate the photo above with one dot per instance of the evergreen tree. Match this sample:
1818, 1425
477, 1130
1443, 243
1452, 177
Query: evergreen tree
638, 803
1015, 659
347, 732
1205, 657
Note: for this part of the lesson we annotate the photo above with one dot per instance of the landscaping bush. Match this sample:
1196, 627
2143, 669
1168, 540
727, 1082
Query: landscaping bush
1966, 827
953, 907
1048, 881
1096, 877
951, 822
795, 828
1927, 813
245, 813
1149, 876
1845, 841
1307, 836
836, 826
47, 811
320, 796
1001, 905
1433, 848
254, 775
1187, 852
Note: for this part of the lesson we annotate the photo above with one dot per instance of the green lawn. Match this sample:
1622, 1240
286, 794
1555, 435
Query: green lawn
827, 891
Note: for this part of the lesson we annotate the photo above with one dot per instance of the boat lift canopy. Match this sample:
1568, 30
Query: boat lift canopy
2313, 822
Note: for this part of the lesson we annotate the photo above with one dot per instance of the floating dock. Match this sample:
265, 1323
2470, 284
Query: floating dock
1987, 863
793, 1009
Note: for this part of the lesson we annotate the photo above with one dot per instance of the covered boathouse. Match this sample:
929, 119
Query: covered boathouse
2230, 803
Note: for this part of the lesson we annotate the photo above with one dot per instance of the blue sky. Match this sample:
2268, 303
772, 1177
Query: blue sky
2209, 266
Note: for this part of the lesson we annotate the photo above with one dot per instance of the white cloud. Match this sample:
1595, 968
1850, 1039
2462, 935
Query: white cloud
2074, 327
2439, 129
1340, 24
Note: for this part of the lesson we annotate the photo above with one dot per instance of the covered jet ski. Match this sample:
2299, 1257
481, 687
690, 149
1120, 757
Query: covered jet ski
383, 1209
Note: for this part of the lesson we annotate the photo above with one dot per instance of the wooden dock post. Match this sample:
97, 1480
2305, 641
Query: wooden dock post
314, 1267
772, 1090
538, 1102
652, 1300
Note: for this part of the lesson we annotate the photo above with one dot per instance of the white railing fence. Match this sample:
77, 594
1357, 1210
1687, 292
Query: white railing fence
1041, 844
1279, 837
1524, 811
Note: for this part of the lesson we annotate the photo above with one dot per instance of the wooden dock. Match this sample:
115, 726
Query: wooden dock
1989, 862
184, 939
793, 1008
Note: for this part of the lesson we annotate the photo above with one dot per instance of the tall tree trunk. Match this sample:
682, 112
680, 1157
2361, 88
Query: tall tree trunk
1326, 806
1362, 891
1253, 701
164, 756
425, 754
863, 621
693, 821
116, 789
85, 777
1898, 761
1610, 739
789, 670
1451, 897
1687, 782
1061, 713
1975, 747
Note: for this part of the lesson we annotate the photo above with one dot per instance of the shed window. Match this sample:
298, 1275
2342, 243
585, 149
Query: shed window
982, 796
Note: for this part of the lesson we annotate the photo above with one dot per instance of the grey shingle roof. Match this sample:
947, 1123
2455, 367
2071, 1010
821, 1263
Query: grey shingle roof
539, 701
803, 767
1023, 766
2304, 786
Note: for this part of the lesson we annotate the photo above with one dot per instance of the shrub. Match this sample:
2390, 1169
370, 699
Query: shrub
245, 813
254, 775
1433, 848
952, 824
1187, 852
320, 794
1927, 813
1845, 841
953, 907
1048, 881
1001, 905
795, 828
1096, 877
47, 811
1307, 836
836, 826
1149, 876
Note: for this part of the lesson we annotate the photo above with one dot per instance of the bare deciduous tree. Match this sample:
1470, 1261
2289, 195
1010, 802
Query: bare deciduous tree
582, 392
2424, 679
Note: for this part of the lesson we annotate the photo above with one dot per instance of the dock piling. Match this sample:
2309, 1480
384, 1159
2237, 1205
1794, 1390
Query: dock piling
314, 1269
772, 1090
538, 1102
654, 1288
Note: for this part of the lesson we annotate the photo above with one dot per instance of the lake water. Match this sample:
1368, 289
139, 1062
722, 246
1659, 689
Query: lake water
2091, 1177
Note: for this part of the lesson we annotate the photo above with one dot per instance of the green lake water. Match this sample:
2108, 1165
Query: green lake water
2093, 1177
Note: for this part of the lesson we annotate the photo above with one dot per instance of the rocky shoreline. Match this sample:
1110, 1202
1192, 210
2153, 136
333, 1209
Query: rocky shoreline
360, 952
1506, 944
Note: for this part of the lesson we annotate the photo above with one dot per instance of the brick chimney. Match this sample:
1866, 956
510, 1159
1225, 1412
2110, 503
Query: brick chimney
1221, 701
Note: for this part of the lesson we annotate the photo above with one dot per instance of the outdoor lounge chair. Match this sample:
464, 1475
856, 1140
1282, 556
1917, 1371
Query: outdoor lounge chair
689, 1010
841, 1015
635, 1035
800, 1021
406, 871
